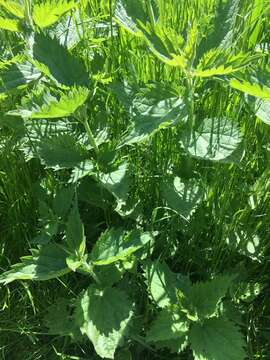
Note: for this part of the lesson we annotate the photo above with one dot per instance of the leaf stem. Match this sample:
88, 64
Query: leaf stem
90, 136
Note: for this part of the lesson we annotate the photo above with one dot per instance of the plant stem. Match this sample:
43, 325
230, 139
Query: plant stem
90, 136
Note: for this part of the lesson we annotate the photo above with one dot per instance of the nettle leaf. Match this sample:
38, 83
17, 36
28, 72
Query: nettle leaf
53, 108
167, 326
63, 66
182, 196
116, 182
127, 13
215, 139
105, 317
49, 12
9, 24
59, 320
163, 284
117, 244
202, 298
18, 74
154, 111
261, 108
13, 7
251, 87
75, 237
62, 151
62, 200
46, 263
216, 339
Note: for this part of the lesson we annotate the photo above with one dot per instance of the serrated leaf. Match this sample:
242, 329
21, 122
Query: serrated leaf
167, 326
75, 237
62, 200
9, 24
163, 283
48, 262
104, 316
127, 13
108, 275
152, 113
182, 196
251, 88
216, 339
202, 298
59, 320
49, 12
215, 139
53, 108
63, 66
117, 244
61, 152
260, 107
13, 7
18, 74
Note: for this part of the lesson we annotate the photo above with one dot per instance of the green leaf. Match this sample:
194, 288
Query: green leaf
63, 66
104, 316
127, 13
59, 320
167, 326
75, 237
13, 7
61, 152
254, 89
202, 298
154, 111
163, 284
18, 74
9, 24
53, 108
260, 107
117, 244
49, 12
182, 196
46, 263
62, 200
216, 339
215, 139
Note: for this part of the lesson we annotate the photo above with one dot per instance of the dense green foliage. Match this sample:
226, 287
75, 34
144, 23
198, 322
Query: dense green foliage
134, 179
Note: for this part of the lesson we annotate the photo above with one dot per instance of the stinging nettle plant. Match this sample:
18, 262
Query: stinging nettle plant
61, 86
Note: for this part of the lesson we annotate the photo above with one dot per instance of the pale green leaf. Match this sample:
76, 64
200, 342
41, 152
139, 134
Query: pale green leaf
163, 284
216, 339
127, 12
48, 262
53, 108
9, 24
182, 196
63, 66
251, 88
215, 139
117, 244
167, 326
260, 107
49, 12
104, 316
14, 7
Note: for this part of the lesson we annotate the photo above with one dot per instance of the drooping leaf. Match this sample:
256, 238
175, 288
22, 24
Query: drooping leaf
63, 66
61, 152
183, 197
50, 11
163, 283
18, 74
9, 24
53, 108
167, 326
116, 244
75, 237
46, 263
202, 298
253, 88
104, 316
215, 139
216, 339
